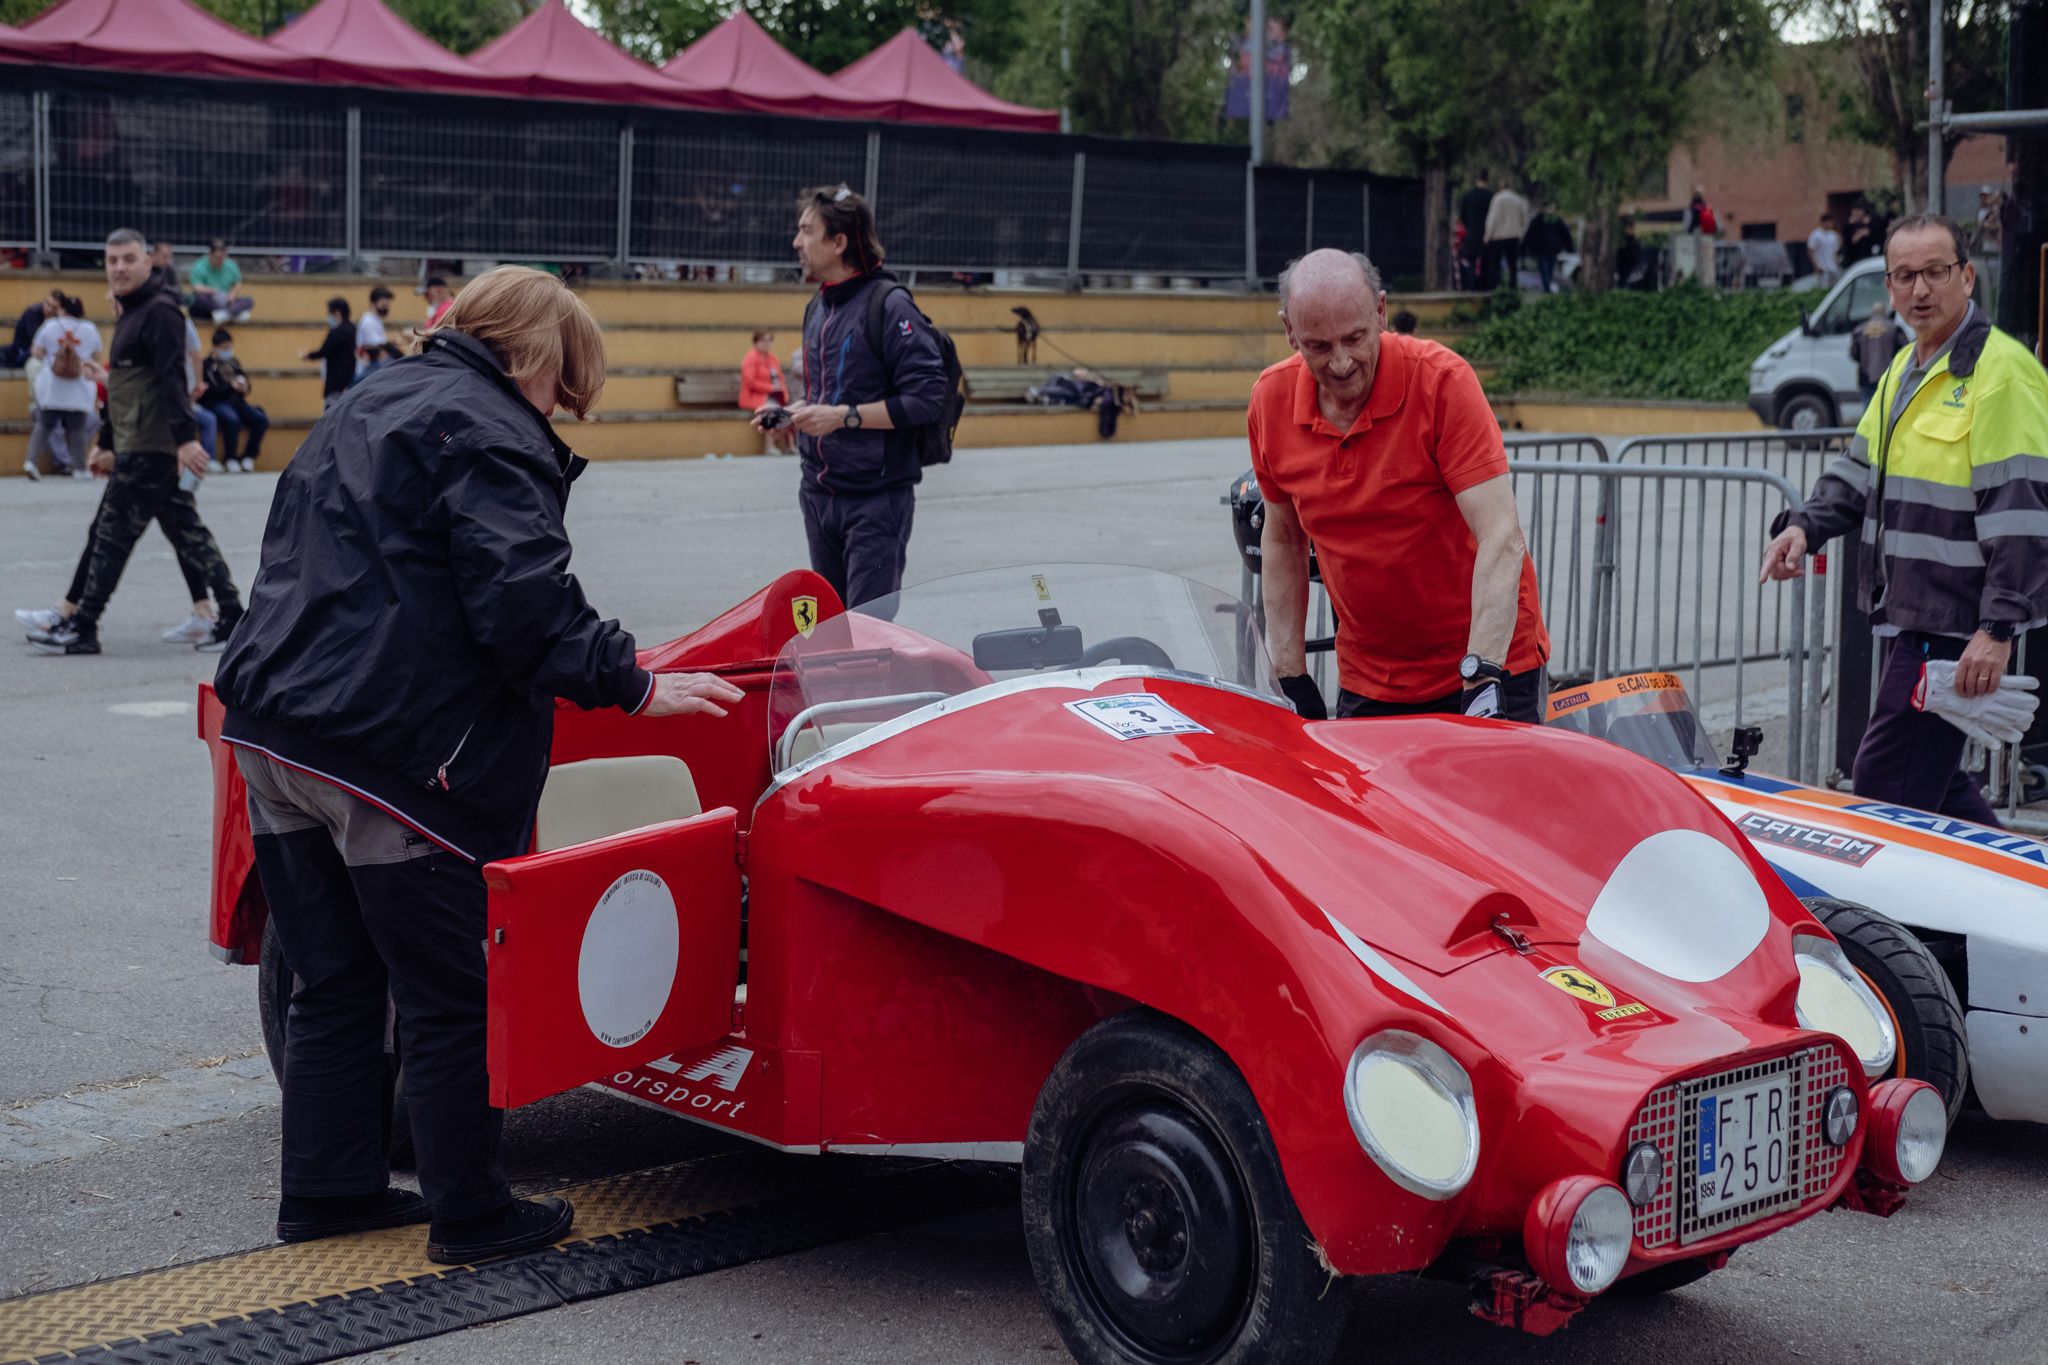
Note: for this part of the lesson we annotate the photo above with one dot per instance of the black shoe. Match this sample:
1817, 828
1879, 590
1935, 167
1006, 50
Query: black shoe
522, 1225
65, 638
218, 640
304, 1219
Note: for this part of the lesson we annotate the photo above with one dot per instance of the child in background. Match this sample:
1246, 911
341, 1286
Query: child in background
762, 385
336, 353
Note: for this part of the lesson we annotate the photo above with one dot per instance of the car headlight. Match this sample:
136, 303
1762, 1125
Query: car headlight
1908, 1130
1833, 998
1578, 1233
1410, 1104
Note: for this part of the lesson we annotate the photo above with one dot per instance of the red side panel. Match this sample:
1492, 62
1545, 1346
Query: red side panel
238, 911
611, 953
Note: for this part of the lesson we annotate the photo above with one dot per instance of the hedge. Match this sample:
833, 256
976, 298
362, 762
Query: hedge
1685, 343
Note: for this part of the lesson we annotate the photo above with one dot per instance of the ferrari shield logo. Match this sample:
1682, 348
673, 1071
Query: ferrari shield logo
1578, 984
805, 610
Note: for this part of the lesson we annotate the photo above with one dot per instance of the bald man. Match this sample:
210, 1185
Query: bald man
1381, 450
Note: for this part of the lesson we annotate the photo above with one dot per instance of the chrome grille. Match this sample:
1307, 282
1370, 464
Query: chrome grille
1669, 1117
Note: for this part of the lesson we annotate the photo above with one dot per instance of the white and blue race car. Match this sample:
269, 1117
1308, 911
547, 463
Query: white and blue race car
1946, 920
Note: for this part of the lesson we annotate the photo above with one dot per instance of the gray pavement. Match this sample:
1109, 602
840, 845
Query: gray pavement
137, 1128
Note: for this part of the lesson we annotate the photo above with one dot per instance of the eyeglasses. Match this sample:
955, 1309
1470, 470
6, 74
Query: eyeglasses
1937, 276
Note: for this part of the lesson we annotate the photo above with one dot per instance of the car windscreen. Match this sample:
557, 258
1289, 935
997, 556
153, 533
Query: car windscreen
957, 634
1646, 713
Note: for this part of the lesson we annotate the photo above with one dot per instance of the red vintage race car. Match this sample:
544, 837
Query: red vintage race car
1034, 865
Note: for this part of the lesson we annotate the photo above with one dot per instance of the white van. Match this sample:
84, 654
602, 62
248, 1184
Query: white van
1806, 379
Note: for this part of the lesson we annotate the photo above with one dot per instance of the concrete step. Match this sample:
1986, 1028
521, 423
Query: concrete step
658, 434
291, 393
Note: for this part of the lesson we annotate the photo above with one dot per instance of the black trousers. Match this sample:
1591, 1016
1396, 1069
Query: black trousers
195, 577
144, 488
1914, 758
859, 544
1521, 698
367, 910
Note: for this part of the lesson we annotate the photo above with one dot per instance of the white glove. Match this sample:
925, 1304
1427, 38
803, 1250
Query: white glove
1998, 717
1483, 700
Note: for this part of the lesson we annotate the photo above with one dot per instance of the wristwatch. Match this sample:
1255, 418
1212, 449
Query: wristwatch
852, 416
2000, 631
1475, 670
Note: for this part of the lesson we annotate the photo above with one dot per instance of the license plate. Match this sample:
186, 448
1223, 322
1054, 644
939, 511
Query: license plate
1744, 1144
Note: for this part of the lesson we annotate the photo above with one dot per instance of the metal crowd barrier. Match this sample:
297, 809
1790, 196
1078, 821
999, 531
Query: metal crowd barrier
1653, 567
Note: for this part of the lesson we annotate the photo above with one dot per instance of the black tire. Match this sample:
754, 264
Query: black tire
1160, 1229
1806, 411
273, 1000
1932, 1044
1662, 1280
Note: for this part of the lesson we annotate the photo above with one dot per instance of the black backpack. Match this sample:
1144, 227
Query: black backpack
934, 439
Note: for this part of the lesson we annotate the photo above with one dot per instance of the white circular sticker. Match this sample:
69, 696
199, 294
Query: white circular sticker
628, 964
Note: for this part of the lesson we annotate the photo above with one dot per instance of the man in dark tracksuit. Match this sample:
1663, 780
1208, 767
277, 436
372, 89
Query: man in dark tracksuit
391, 699
865, 389
154, 436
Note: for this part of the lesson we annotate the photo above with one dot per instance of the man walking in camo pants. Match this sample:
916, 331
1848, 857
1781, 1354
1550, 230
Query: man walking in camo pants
149, 408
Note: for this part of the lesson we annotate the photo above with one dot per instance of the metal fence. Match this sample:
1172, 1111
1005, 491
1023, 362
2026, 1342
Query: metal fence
298, 170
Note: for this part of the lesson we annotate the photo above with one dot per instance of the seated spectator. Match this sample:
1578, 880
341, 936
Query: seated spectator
336, 352
762, 386
215, 281
373, 343
15, 354
1405, 322
227, 398
440, 298
69, 348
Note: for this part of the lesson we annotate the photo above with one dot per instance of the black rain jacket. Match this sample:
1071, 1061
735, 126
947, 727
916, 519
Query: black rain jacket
414, 617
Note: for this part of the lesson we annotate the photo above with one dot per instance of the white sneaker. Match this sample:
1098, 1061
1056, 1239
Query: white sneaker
38, 618
248, 465
191, 631
28, 467
215, 467
242, 315
80, 476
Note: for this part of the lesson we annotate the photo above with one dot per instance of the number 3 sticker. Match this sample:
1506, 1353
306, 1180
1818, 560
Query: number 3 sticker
1137, 715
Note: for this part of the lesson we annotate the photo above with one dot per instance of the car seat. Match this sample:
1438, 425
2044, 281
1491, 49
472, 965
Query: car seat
604, 796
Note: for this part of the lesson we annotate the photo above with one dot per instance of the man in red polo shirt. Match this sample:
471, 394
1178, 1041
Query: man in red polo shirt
1381, 450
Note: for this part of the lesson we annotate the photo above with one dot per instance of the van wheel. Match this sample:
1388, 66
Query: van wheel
1160, 1229
1926, 1016
273, 1002
1806, 412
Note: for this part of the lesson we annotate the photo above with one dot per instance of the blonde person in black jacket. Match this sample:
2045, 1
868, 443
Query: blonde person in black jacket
390, 696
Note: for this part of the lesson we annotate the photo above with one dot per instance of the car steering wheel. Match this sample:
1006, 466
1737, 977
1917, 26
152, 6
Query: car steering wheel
1125, 649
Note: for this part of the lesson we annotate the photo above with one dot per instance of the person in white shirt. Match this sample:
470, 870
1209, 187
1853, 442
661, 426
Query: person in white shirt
373, 342
1824, 248
1507, 222
66, 388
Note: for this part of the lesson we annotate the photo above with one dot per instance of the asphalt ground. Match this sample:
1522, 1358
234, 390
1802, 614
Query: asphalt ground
138, 1127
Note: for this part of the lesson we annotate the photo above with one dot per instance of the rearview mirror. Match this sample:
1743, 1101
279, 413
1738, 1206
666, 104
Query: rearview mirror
1035, 647
1806, 325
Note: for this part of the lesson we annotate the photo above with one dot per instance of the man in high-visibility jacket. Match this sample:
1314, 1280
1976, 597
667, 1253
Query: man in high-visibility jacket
1948, 476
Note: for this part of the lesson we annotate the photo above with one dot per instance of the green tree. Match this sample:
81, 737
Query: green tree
1623, 86
1139, 68
1447, 80
1887, 106
826, 33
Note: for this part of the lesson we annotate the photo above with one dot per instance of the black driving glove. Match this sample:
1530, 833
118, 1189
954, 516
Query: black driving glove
1301, 689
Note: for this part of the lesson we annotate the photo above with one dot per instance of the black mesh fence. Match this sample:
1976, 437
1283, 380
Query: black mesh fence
265, 173
995, 202
268, 167
725, 189
489, 182
1159, 208
17, 168
1283, 207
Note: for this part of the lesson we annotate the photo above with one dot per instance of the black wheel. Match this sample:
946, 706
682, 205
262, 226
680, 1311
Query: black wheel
1806, 412
1662, 1280
273, 1000
1160, 1229
1925, 1013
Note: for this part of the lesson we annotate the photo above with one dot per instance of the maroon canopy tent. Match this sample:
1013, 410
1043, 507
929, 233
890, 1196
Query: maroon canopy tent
169, 37
361, 42
916, 86
552, 55
738, 65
